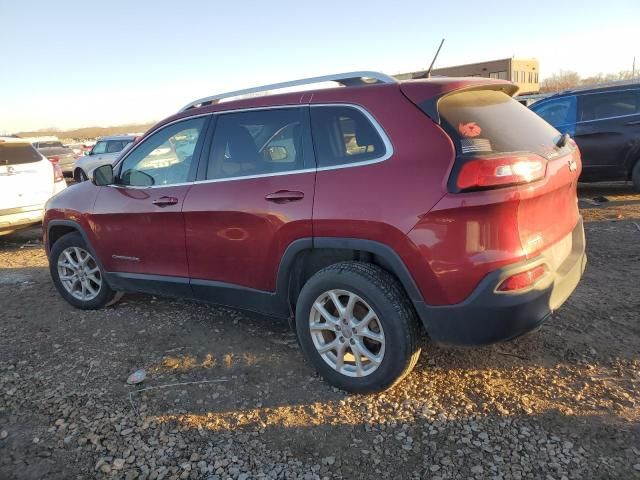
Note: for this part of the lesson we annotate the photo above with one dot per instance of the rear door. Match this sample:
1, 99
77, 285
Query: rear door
139, 220
255, 197
26, 177
607, 132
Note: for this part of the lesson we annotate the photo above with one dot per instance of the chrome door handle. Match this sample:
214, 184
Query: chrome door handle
284, 196
165, 201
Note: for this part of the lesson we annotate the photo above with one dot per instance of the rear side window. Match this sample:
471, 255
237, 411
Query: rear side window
258, 142
114, 146
344, 135
15, 153
597, 106
491, 122
561, 111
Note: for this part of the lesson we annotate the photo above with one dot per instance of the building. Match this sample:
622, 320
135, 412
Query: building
522, 72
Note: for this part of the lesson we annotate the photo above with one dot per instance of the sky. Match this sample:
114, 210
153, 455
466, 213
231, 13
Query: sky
69, 64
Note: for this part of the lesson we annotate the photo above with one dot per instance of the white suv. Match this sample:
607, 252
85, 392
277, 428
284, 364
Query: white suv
106, 150
27, 181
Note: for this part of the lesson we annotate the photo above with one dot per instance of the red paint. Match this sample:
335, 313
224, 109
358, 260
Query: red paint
235, 235
230, 231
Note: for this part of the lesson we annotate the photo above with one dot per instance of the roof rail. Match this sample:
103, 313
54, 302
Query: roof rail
346, 79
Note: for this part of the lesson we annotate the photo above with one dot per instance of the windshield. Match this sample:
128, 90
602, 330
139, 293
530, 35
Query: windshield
15, 153
491, 122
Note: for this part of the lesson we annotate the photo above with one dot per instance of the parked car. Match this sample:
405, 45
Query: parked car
27, 181
106, 150
363, 214
55, 151
605, 123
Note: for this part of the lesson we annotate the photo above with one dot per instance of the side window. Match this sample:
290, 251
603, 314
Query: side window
257, 142
597, 106
115, 146
164, 158
558, 112
98, 148
343, 135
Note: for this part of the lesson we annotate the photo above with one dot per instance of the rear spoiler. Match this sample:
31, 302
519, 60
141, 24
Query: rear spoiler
416, 92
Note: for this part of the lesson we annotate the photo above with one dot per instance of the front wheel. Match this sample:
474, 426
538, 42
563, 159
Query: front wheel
357, 327
77, 275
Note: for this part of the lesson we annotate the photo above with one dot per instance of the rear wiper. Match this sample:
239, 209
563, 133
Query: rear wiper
562, 141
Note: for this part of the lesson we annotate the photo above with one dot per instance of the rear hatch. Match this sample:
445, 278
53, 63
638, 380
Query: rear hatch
509, 152
26, 178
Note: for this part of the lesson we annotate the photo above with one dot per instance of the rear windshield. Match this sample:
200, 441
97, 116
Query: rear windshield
15, 153
491, 122
49, 144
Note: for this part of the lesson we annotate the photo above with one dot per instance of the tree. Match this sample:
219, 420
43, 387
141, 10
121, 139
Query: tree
563, 80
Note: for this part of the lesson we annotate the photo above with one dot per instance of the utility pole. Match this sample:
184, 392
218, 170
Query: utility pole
633, 69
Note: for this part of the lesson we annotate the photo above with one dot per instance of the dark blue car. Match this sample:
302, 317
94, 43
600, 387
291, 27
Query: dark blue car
605, 123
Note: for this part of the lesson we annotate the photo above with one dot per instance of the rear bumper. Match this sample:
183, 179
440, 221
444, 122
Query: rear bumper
14, 218
487, 316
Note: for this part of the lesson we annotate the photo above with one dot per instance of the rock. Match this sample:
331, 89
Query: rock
3, 434
118, 463
477, 469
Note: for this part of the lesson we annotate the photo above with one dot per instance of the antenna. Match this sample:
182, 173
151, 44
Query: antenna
428, 74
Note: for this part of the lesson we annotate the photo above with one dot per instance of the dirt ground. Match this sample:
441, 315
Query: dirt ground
228, 395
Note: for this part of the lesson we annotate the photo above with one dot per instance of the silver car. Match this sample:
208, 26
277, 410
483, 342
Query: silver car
106, 150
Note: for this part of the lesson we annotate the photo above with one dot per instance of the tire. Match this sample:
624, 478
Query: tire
635, 176
82, 288
391, 335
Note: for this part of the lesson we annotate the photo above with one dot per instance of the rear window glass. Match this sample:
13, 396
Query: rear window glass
49, 144
16, 153
596, 106
344, 135
491, 122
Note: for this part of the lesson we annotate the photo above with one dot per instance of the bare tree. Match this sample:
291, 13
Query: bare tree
563, 80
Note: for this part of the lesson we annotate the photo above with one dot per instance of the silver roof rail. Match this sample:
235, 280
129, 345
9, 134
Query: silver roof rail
346, 79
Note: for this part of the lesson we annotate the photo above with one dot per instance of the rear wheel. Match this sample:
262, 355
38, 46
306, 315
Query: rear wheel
635, 176
357, 327
77, 274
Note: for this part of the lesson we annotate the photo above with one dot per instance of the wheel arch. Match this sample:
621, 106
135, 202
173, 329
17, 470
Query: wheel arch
303, 258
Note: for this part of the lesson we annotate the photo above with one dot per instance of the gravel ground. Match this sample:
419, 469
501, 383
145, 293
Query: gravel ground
228, 395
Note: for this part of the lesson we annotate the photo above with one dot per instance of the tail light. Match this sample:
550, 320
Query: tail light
493, 172
522, 280
58, 176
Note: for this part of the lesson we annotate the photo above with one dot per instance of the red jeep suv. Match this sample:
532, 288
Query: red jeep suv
360, 213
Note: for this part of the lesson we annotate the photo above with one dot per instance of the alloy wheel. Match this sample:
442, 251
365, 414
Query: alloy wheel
347, 333
79, 273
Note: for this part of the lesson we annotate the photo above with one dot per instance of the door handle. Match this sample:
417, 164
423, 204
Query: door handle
634, 122
284, 196
165, 201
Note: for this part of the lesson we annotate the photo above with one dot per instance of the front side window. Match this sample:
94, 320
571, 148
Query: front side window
257, 142
561, 111
98, 148
597, 106
165, 157
343, 135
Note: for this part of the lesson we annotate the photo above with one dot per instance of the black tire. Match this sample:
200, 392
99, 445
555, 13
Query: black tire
105, 293
635, 176
384, 294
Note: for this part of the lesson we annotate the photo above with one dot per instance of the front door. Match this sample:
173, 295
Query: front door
139, 219
604, 132
255, 198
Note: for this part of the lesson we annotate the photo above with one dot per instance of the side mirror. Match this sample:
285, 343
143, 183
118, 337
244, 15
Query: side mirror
103, 175
278, 153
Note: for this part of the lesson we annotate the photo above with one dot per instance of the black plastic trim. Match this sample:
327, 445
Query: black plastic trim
154, 284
